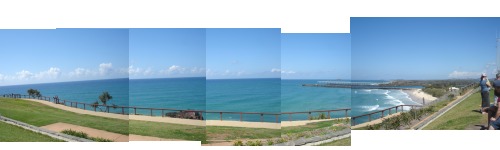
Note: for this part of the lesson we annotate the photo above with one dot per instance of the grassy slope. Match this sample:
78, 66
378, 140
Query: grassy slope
11, 133
341, 142
308, 127
234, 133
461, 116
40, 115
168, 131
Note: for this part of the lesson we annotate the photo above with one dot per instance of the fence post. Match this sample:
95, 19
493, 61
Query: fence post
369, 117
261, 117
107, 109
309, 115
390, 111
241, 116
123, 111
276, 118
289, 117
329, 117
162, 113
396, 109
353, 123
382, 114
151, 112
220, 116
346, 113
135, 111
95, 108
84, 106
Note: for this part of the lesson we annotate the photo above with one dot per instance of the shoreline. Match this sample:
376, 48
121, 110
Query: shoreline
417, 95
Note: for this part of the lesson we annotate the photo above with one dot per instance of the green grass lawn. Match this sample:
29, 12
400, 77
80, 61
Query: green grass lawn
309, 127
11, 133
234, 133
38, 114
168, 131
341, 142
462, 116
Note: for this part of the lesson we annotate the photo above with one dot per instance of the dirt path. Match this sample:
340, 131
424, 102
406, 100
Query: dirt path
304, 122
58, 127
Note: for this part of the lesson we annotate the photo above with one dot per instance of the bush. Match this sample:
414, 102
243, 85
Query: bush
258, 143
76, 133
250, 143
238, 143
270, 142
85, 136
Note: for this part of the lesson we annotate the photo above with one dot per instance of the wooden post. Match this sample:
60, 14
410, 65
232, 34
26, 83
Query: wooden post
95, 108
261, 117
390, 111
329, 117
382, 114
107, 108
309, 115
151, 111
162, 113
123, 111
84, 106
396, 109
277, 119
289, 117
370, 117
353, 123
220, 116
135, 111
346, 113
241, 116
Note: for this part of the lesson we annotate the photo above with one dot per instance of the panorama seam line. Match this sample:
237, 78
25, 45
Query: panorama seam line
447, 109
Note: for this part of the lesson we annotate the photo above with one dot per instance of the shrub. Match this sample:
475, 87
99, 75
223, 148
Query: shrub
258, 143
250, 143
98, 139
270, 142
75, 133
238, 143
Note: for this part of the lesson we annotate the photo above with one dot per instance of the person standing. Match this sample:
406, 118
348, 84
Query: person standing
485, 93
494, 111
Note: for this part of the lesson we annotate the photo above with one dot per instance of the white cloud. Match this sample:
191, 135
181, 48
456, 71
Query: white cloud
274, 70
464, 74
134, 70
24, 75
197, 70
52, 73
148, 72
2, 77
105, 69
80, 72
287, 72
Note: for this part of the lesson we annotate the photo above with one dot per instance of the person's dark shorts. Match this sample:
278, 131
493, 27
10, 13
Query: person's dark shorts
485, 96
496, 124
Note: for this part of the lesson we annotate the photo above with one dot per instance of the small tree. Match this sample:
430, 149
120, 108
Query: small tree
34, 93
105, 97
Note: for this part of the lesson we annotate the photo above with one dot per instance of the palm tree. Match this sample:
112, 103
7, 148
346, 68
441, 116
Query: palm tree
105, 97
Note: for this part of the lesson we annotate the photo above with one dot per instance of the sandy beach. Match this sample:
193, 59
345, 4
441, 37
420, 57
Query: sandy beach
418, 95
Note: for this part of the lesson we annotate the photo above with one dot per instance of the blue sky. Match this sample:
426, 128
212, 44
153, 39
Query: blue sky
41, 56
423, 48
167, 53
315, 56
243, 53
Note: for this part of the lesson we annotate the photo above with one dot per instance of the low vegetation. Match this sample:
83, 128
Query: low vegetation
84, 135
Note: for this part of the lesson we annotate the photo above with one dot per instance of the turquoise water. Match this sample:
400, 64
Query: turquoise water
80, 91
370, 100
243, 95
173, 93
295, 97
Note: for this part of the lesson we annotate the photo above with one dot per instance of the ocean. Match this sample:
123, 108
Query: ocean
171, 93
229, 95
243, 95
295, 98
370, 100
80, 91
